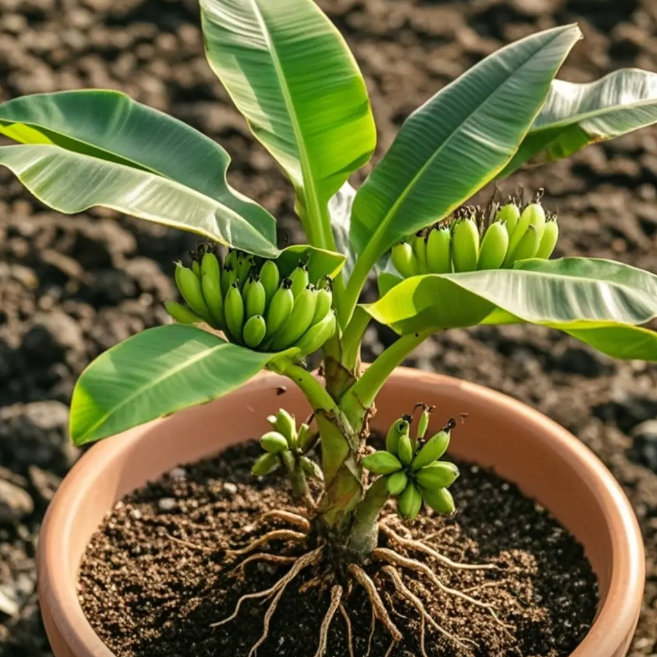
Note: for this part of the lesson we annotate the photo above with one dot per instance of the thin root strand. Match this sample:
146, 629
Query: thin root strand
263, 556
290, 518
377, 604
275, 535
350, 633
336, 600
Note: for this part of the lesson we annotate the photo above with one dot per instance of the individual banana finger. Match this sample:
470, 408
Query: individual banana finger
182, 314
196, 268
438, 474
549, 239
315, 337
243, 268
270, 278
265, 464
311, 468
323, 305
255, 297
299, 320
382, 463
190, 288
404, 260
286, 424
405, 449
493, 247
419, 246
509, 215
234, 311
440, 500
423, 423
527, 247
228, 277
280, 308
274, 442
215, 302
434, 448
409, 502
300, 279
397, 429
396, 483
465, 245
254, 331
439, 250
531, 215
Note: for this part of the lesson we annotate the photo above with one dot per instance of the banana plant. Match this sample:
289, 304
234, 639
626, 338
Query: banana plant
248, 305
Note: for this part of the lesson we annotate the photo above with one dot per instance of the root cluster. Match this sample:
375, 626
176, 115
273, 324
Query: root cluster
395, 568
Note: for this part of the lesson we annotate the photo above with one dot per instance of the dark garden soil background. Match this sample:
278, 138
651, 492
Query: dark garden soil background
73, 287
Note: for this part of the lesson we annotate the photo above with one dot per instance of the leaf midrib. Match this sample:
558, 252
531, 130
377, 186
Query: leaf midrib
376, 238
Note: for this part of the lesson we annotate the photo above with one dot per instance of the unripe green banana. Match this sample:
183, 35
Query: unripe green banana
228, 277
419, 246
509, 215
465, 245
397, 429
405, 449
549, 240
196, 268
404, 260
315, 337
382, 463
439, 251
493, 247
396, 483
527, 247
274, 442
305, 437
231, 259
286, 424
440, 500
255, 297
438, 474
409, 502
190, 288
265, 464
288, 460
210, 266
534, 215
299, 320
434, 448
323, 305
234, 311
211, 286
423, 423
244, 265
182, 314
254, 331
311, 468
299, 278
280, 308
270, 278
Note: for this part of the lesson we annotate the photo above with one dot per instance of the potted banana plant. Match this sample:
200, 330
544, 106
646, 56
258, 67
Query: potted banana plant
248, 306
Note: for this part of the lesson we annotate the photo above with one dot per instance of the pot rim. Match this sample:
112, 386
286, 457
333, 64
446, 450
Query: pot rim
63, 614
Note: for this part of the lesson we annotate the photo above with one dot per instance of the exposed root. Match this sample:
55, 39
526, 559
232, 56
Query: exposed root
187, 544
302, 562
290, 518
263, 556
419, 546
372, 630
393, 643
350, 633
379, 608
389, 556
336, 600
275, 535
424, 614
310, 584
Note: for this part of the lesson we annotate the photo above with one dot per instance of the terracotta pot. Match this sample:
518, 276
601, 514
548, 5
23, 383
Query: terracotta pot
522, 445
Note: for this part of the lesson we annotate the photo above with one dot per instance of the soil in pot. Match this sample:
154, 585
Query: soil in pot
158, 573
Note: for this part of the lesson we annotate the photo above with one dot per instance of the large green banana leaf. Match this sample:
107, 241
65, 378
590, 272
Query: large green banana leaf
87, 148
602, 303
293, 77
155, 373
455, 143
576, 115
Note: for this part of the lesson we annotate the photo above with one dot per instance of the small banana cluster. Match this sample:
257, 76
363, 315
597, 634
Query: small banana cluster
411, 467
286, 445
252, 305
469, 242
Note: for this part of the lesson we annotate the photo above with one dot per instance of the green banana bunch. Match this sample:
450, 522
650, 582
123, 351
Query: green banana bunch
412, 469
253, 305
286, 445
494, 238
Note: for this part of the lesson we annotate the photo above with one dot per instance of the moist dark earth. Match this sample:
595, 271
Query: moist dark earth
72, 287
149, 594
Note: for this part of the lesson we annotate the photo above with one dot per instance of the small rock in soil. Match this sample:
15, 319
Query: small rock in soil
644, 448
15, 503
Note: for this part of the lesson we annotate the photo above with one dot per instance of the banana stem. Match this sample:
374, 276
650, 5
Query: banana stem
314, 391
360, 397
353, 337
